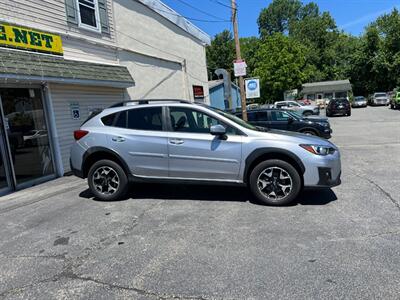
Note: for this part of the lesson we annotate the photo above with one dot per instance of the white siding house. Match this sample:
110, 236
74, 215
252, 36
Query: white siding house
112, 50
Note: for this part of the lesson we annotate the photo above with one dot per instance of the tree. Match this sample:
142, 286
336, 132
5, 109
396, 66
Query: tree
281, 65
221, 53
278, 16
249, 47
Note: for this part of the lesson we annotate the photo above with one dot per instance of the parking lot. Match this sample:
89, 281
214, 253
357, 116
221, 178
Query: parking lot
202, 242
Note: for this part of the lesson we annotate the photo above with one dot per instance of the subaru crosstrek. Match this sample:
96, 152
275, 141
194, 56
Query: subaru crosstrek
177, 141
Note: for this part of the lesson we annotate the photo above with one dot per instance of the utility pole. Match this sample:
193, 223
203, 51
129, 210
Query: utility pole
238, 57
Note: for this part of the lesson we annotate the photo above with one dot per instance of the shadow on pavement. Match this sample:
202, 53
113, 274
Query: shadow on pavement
212, 193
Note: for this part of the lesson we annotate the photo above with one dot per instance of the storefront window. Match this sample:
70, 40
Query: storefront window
27, 133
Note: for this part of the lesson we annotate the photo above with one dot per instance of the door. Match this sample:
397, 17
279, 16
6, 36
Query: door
26, 135
196, 154
279, 120
258, 118
139, 138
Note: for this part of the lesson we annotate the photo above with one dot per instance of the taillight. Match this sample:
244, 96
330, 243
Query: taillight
78, 134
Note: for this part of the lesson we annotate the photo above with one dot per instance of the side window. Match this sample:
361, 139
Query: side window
115, 120
252, 116
262, 116
149, 118
189, 120
108, 120
279, 116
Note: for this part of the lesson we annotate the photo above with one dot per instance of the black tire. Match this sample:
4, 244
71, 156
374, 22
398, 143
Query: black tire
349, 114
296, 184
310, 132
307, 113
120, 190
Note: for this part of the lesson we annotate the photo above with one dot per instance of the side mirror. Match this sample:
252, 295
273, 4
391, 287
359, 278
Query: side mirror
218, 130
291, 120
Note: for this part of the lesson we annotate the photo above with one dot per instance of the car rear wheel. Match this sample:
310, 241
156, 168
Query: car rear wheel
275, 182
307, 113
107, 180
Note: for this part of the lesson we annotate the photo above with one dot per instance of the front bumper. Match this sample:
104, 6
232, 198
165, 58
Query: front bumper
325, 178
322, 171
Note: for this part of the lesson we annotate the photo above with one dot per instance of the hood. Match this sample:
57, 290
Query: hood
296, 137
316, 119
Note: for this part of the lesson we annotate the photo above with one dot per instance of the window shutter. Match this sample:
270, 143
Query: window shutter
105, 28
72, 12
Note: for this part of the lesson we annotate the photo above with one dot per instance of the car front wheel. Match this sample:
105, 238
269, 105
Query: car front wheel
107, 180
275, 182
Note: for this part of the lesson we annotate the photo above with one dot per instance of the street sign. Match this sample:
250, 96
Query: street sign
75, 111
239, 68
252, 88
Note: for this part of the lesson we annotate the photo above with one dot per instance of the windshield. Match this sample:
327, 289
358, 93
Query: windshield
380, 95
234, 119
359, 99
295, 114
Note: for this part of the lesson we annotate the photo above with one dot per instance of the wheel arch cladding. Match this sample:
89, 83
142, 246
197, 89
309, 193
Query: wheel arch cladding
263, 154
97, 153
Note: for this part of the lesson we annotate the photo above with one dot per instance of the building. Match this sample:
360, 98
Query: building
62, 59
326, 90
217, 95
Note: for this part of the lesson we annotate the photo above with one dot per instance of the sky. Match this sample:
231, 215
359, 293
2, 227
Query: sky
351, 15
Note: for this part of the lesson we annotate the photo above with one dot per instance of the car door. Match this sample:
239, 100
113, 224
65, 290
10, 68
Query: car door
138, 137
279, 120
196, 154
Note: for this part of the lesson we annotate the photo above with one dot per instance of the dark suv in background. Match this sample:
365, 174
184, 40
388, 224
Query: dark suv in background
339, 106
290, 121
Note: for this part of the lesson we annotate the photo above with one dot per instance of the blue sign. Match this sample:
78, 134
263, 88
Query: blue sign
252, 85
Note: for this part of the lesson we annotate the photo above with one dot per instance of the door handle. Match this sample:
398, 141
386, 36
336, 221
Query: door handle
118, 139
176, 141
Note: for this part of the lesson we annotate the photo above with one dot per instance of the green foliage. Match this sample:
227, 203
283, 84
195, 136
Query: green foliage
298, 43
221, 53
281, 65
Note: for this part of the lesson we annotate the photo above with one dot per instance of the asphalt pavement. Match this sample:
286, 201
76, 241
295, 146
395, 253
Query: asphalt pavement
202, 242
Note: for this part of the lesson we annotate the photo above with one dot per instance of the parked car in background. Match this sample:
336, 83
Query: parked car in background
289, 120
379, 99
181, 142
339, 106
395, 101
305, 102
359, 101
305, 110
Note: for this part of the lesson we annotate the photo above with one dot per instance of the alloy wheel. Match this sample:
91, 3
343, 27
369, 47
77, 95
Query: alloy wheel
106, 180
275, 183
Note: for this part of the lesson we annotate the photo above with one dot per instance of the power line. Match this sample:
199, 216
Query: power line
199, 10
222, 4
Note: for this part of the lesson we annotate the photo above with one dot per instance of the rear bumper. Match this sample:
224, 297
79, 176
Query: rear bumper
76, 172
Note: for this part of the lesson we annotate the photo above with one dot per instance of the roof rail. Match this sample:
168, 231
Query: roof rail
147, 101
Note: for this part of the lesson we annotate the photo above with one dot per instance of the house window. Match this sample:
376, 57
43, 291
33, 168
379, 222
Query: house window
89, 14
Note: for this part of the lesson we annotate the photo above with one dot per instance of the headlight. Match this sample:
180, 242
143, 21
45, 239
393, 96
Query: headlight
318, 149
323, 124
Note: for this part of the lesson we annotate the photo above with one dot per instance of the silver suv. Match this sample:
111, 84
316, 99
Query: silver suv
305, 110
177, 141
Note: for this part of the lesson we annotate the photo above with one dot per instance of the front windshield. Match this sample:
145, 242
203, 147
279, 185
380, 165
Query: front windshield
359, 98
234, 118
295, 114
380, 95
